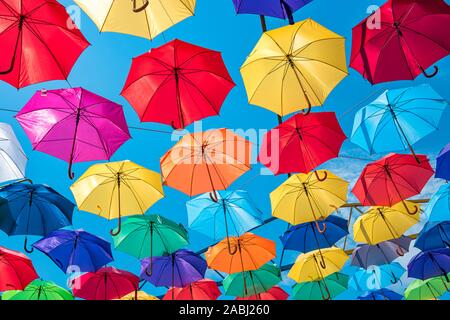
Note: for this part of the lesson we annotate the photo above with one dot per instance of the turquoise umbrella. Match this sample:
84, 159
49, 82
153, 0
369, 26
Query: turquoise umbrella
376, 277
438, 209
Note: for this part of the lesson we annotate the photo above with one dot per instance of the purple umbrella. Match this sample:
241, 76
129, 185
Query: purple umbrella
443, 163
430, 264
74, 125
273, 8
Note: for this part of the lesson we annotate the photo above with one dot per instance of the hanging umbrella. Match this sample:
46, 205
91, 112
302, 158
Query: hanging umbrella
305, 237
382, 294
254, 282
410, 38
74, 125
232, 215
443, 163
274, 293
302, 143
309, 197
283, 9
204, 289
177, 84
318, 264
115, 189
78, 248
434, 235
142, 18
206, 162
380, 224
150, 236
39, 290
381, 253
141, 295
430, 264
40, 42
438, 208
430, 289
294, 67
376, 277
107, 283
323, 289
33, 209
16, 270
392, 179
398, 119
13, 160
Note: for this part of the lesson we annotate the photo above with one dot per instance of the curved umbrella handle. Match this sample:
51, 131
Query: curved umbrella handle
400, 252
213, 196
321, 179
71, 174
25, 246
328, 296
321, 231
142, 8
394, 279
430, 75
412, 213
149, 270
308, 111
322, 262
119, 228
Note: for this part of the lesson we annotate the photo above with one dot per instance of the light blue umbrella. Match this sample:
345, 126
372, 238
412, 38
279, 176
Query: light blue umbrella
438, 209
398, 119
376, 277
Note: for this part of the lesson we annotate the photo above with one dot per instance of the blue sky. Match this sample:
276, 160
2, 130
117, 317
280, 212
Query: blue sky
103, 69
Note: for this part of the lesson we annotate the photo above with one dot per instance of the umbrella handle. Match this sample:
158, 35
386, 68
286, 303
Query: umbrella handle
119, 228
322, 262
321, 179
71, 174
394, 279
430, 75
321, 231
229, 249
328, 296
308, 111
140, 9
213, 196
147, 271
400, 252
25, 246
412, 213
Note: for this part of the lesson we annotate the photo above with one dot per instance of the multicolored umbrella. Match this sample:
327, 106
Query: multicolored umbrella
274, 293
74, 125
438, 208
302, 143
39, 290
376, 277
142, 18
443, 163
294, 67
409, 36
204, 289
40, 42
13, 160
430, 289
323, 289
434, 235
283, 9
16, 270
76, 249
382, 294
430, 264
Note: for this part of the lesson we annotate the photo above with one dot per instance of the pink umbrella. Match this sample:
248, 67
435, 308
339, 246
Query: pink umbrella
74, 125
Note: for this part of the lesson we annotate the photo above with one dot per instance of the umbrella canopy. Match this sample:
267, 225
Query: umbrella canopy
305, 237
74, 125
107, 283
409, 37
177, 84
438, 209
382, 294
39, 290
283, 9
40, 42
398, 119
141, 295
393, 179
274, 293
308, 197
80, 249
13, 160
443, 163
294, 67
206, 162
435, 235
430, 264
381, 253
318, 264
302, 143
380, 224
142, 18
16, 269
430, 289
232, 215
33, 209
204, 289
323, 289
115, 189
376, 277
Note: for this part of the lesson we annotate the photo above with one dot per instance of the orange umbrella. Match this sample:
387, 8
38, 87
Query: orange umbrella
206, 161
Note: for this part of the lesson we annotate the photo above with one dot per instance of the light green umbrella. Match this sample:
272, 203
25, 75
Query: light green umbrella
430, 289
325, 289
39, 290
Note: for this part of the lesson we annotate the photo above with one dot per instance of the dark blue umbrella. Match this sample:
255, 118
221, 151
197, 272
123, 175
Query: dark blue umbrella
435, 235
78, 248
382, 294
443, 163
33, 209
430, 264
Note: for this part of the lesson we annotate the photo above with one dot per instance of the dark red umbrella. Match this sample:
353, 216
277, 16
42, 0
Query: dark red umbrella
177, 84
204, 289
393, 179
16, 270
302, 143
401, 40
38, 42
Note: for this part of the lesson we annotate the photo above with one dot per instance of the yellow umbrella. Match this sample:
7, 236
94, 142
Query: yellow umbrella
142, 18
380, 224
317, 264
294, 67
115, 189
307, 197
141, 295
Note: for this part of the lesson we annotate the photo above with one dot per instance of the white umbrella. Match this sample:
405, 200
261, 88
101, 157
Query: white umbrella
12, 158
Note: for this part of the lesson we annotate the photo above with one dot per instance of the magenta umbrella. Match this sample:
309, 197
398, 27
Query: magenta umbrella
74, 125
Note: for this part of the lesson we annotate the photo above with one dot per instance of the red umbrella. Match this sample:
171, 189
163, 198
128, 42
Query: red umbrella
302, 143
107, 283
275, 293
200, 290
401, 40
38, 42
16, 270
177, 84
392, 179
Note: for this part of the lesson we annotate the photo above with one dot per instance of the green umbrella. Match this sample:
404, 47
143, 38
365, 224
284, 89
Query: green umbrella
258, 281
150, 235
427, 289
325, 289
39, 290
